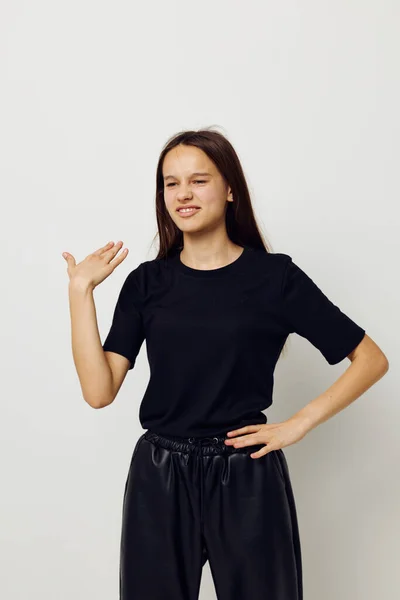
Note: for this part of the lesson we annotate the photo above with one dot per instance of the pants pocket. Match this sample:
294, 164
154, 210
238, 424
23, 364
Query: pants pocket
130, 466
277, 458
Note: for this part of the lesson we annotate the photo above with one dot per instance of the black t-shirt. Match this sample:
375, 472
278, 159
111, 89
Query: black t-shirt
213, 337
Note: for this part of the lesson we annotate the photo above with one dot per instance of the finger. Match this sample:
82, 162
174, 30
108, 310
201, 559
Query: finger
120, 257
269, 447
246, 429
103, 249
111, 252
243, 441
69, 258
262, 452
248, 441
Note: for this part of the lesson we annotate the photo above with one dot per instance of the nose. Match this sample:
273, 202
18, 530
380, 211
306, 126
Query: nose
184, 195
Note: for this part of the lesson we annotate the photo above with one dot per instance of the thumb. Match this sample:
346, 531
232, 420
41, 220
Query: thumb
69, 258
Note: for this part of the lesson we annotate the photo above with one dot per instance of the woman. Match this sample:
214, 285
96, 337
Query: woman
208, 479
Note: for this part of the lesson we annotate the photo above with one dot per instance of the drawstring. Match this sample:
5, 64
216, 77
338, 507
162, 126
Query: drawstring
198, 443
206, 440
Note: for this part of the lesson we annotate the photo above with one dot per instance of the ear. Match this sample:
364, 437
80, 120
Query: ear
230, 197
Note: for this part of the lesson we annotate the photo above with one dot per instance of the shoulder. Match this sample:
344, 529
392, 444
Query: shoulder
276, 262
278, 267
280, 259
150, 270
273, 258
148, 277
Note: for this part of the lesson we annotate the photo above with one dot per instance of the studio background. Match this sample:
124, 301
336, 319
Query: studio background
308, 94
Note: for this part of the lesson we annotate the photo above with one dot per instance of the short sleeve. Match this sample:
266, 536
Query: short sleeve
310, 314
126, 333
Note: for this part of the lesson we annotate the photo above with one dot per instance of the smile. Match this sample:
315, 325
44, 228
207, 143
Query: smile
187, 212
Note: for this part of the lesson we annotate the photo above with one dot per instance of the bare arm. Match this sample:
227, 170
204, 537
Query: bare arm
100, 373
93, 370
368, 365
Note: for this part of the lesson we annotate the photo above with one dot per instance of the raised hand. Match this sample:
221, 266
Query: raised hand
96, 266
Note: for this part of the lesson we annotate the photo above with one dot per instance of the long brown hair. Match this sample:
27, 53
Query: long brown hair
240, 221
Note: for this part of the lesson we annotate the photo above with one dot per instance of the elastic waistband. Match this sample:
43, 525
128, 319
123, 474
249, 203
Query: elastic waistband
200, 445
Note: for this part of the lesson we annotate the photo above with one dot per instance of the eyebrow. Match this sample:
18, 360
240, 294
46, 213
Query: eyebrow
192, 175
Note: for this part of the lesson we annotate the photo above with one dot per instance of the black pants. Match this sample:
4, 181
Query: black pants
190, 500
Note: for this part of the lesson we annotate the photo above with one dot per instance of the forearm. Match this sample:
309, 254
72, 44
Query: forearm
93, 370
361, 374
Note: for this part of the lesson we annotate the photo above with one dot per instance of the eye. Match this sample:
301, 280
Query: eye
195, 181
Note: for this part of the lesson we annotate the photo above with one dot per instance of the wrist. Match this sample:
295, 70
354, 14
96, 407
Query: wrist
303, 421
80, 286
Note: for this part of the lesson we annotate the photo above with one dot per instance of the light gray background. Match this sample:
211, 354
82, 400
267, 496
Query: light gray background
308, 93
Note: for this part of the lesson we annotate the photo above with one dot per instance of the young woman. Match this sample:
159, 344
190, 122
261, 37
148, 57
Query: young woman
208, 479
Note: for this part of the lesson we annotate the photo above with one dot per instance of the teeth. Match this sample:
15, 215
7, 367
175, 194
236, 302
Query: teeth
187, 209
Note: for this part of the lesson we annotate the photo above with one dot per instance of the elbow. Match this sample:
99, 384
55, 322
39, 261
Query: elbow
382, 362
97, 406
92, 403
368, 351
378, 364
385, 365
98, 402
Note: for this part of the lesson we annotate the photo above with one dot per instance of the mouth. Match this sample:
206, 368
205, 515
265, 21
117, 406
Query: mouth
187, 211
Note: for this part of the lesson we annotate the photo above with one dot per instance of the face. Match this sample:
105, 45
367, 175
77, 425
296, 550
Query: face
192, 179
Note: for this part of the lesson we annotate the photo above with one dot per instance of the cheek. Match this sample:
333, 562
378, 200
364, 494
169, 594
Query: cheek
211, 201
217, 207
169, 201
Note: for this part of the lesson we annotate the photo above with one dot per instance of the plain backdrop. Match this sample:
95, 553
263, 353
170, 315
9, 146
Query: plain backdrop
308, 94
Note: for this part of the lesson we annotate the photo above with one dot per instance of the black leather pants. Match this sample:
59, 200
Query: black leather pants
189, 500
